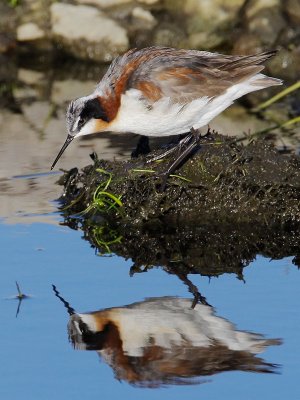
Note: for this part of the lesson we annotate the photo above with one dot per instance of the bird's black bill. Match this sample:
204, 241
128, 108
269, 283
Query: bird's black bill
65, 145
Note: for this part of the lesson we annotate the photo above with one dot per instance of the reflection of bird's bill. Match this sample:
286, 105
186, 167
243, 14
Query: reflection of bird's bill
65, 145
160, 340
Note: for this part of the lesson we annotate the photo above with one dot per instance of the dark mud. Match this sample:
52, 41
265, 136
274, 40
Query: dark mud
225, 182
225, 205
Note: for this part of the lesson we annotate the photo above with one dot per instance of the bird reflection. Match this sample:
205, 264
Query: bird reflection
163, 341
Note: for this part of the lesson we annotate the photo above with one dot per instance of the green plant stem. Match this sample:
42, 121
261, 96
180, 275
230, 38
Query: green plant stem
290, 122
277, 97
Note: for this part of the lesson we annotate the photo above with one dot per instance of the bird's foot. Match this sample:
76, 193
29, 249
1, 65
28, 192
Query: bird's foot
176, 147
186, 148
142, 147
94, 156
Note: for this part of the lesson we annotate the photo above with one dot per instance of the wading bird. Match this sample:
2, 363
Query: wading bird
161, 91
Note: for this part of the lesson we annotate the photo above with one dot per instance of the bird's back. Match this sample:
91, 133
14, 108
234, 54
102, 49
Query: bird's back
160, 91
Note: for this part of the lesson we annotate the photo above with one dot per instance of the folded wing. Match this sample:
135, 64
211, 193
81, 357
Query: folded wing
185, 75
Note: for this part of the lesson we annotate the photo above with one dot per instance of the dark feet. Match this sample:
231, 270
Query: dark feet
197, 296
142, 147
187, 145
185, 148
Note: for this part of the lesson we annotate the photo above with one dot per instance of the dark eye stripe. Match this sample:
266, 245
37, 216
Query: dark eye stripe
81, 122
93, 109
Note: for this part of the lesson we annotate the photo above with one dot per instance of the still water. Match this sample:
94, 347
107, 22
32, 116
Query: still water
40, 362
133, 337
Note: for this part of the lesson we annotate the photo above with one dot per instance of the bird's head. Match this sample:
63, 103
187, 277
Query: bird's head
84, 116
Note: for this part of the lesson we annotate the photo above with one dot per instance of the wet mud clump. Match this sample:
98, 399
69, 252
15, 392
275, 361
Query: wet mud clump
224, 182
223, 207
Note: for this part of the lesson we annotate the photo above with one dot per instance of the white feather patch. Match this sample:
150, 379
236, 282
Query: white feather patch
165, 118
88, 128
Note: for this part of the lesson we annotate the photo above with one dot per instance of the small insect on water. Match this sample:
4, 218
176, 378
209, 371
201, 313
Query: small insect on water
161, 91
20, 297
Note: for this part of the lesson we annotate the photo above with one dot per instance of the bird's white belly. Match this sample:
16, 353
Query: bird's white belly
163, 118
166, 118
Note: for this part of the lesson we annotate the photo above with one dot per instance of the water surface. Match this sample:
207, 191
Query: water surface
38, 250
35, 347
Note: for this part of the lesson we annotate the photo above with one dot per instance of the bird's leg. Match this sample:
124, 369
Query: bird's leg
142, 147
183, 142
197, 296
193, 144
208, 133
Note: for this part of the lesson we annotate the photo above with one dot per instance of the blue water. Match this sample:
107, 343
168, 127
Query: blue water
38, 362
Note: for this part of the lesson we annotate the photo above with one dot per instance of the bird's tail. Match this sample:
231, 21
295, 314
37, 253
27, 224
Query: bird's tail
262, 81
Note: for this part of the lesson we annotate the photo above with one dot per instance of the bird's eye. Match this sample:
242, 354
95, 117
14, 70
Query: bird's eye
80, 122
83, 328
